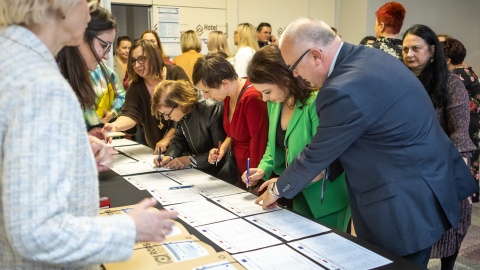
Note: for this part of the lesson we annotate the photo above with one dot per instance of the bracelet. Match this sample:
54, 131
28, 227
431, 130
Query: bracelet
272, 193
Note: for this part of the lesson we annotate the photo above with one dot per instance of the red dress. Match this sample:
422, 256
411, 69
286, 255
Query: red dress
248, 129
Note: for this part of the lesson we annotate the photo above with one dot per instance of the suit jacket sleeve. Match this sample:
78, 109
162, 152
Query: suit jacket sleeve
341, 123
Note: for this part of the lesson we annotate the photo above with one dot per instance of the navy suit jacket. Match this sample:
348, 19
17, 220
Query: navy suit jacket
404, 175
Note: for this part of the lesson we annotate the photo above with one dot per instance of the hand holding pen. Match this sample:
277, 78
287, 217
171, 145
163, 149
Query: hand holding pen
254, 175
248, 174
214, 155
218, 152
161, 160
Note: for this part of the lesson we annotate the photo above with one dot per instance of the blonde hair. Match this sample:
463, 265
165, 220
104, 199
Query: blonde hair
190, 41
174, 94
247, 36
217, 42
34, 11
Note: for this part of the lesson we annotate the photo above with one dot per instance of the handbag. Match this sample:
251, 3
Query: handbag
229, 170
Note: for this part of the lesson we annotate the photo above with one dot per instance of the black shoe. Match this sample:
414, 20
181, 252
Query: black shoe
475, 198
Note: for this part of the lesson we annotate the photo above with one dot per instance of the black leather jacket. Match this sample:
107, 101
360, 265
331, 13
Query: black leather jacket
197, 133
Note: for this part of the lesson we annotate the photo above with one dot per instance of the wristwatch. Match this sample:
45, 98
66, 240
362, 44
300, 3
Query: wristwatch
272, 193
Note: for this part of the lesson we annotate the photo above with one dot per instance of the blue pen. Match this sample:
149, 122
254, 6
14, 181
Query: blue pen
180, 187
248, 172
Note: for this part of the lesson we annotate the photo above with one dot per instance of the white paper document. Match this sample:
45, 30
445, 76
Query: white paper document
237, 235
216, 188
120, 142
242, 204
168, 196
287, 225
132, 168
152, 180
200, 213
335, 252
207, 185
139, 152
119, 159
222, 265
188, 175
275, 258
185, 250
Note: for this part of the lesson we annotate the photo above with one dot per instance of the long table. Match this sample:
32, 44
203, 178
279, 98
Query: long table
122, 193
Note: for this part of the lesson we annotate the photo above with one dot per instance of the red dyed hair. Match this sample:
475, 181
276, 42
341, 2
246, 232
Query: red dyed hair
391, 15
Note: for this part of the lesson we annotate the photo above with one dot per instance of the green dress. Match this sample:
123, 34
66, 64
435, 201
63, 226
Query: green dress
334, 211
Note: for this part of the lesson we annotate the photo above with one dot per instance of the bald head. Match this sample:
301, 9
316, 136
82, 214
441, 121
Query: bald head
306, 33
308, 47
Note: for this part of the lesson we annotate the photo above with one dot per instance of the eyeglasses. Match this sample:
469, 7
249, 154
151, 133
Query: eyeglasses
106, 46
141, 60
292, 68
160, 114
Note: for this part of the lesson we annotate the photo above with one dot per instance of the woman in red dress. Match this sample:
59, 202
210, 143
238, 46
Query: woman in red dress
245, 117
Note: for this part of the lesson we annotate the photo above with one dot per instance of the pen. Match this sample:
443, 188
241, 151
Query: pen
180, 187
248, 172
218, 151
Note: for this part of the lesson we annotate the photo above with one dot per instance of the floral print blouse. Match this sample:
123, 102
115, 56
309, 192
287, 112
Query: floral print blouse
470, 80
392, 46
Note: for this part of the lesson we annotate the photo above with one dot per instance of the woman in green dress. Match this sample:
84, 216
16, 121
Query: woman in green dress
293, 123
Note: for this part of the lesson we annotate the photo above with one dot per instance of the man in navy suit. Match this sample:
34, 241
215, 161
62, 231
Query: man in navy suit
404, 175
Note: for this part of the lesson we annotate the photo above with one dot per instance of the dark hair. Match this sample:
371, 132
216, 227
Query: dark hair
434, 76
101, 21
154, 59
454, 50
77, 75
365, 40
73, 66
392, 15
212, 69
122, 38
261, 25
268, 66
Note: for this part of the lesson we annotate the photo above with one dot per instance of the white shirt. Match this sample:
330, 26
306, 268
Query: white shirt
242, 59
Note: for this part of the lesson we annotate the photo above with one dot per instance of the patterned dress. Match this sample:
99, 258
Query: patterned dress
470, 80
453, 119
392, 46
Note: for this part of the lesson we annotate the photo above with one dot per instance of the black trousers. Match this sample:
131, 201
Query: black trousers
420, 258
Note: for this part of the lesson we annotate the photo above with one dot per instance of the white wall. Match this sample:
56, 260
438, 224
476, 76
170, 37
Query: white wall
281, 12
460, 18
354, 19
